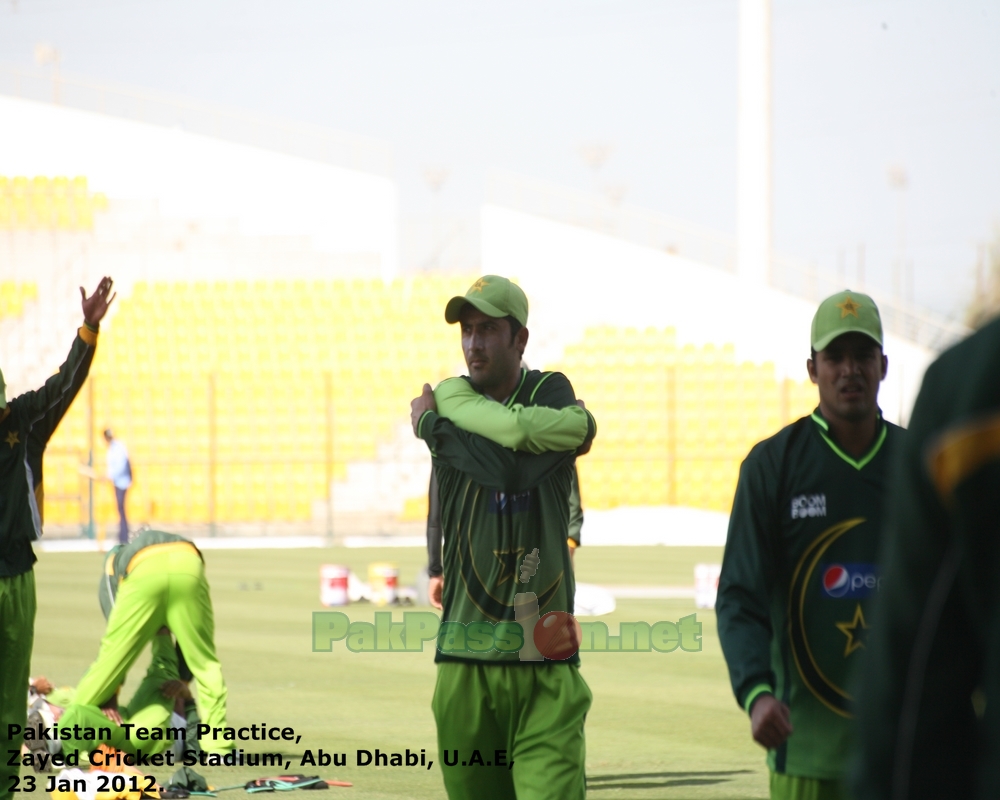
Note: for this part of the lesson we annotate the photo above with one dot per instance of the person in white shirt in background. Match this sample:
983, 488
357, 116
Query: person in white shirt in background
120, 475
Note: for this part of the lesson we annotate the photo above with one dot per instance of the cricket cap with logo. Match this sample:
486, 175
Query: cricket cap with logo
494, 296
845, 312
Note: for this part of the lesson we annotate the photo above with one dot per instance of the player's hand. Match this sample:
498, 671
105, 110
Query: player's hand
96, 306
421, 404
770, 721
173, 689
41, 685
113, 715
435, 586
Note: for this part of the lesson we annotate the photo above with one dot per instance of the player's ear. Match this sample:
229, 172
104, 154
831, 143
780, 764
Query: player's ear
885, 366
811, 369
521, 340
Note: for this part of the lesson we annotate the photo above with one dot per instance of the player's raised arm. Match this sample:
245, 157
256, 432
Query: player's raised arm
35, 404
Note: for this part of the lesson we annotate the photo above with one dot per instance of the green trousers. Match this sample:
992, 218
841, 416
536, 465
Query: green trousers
794, 787
148, 708
164, 589
17, 629
533, 712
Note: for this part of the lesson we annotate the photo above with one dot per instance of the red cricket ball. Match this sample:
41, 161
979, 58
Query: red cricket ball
557, 635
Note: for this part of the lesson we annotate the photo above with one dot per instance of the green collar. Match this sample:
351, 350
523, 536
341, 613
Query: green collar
517, 391
824, 431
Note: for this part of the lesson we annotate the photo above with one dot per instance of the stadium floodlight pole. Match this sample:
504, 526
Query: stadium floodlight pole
328, 386
898, 180
753, 181
435, 178
212, 455
47, 55
90, 457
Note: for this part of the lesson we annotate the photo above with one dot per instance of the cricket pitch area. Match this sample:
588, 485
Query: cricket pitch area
662, 725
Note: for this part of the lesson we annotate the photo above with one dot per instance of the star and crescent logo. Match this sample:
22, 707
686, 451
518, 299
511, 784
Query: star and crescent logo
508, 563
12, 439
849, 307
854, 631
479, 285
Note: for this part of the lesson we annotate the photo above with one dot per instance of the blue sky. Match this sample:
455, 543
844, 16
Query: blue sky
515, 85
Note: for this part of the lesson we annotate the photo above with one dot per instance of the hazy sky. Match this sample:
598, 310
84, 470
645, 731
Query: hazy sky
516, 85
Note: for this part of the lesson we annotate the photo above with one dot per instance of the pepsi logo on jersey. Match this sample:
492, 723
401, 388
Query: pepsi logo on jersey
851, 581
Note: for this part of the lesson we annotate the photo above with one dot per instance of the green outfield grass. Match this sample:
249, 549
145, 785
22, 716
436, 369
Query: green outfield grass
661, 726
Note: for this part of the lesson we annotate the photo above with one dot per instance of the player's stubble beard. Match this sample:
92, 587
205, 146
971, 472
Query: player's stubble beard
494, 371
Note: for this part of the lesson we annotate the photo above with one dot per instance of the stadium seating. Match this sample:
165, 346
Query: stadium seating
43, 203
674, 423
13, 296
258, 368
233, 386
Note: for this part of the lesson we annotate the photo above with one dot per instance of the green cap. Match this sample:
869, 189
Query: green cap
845, 312
3, 393
494, 296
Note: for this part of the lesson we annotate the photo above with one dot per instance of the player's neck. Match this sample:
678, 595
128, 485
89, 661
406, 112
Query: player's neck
855, 438
502, 391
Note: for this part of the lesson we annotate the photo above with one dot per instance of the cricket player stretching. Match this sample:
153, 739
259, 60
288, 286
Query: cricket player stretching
156, 580
497, 505
799, 575
20, 523
930, 689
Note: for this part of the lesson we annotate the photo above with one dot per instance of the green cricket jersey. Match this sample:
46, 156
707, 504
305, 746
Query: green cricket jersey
20, 520
935, 639
496, 506
798, 579
116, 563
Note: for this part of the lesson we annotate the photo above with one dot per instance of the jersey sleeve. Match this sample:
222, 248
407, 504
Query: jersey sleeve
555, 391
485, 461
36, 404
748, 572
534, 429
434, 563
575, 511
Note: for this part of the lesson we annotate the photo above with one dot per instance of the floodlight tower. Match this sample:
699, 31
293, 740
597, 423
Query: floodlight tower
753, 182
898, 182
435, 178
47, 56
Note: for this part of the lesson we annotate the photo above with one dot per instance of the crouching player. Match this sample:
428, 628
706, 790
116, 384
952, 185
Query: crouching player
156, 581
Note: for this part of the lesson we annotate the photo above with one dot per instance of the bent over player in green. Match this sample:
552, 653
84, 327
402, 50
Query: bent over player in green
156, 580
799, 571
497, 505
20, 524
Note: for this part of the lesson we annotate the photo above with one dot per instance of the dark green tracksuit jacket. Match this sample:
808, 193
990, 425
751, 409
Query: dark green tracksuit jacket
20, 520
798, 580
936, 632
496, 506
